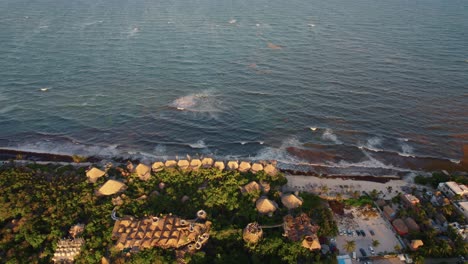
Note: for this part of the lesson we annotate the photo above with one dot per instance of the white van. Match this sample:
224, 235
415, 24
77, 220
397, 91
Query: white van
354, 255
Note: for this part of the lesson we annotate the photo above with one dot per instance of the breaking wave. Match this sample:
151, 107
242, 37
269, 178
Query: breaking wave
206, 102
330, 136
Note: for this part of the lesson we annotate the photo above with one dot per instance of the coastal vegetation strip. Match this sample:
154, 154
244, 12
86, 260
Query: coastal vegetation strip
41, 202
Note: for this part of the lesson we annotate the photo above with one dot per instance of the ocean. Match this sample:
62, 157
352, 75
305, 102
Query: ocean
336, 87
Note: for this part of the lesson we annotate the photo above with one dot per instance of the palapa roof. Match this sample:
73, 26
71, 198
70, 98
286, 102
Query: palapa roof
311, 243
195, 164
158, 166
256, 167
252, 233
183, 164
291, 201
166, 232
219, 165
94, 173
207, 162
251, 187
170, 163
266, 206
296, 228
244, 166
111, 187
143, 171
232, 165
270, 169
415, 244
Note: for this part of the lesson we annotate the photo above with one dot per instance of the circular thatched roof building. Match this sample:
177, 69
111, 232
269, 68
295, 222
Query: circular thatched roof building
266, 206
207, 162
111, 187
143, 172
291, 201
252, 233
94, 173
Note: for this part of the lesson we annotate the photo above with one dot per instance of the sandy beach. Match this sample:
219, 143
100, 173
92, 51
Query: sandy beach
344, 186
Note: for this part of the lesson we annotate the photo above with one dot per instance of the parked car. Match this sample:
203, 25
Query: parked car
363, 252
371, 232
358, 232
371, 249
354, 255
363, 233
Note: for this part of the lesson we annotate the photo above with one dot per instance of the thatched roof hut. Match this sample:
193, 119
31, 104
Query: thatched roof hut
311, 243
143, 172
291, 201
111, 187
195, 164
183, 164
244, 166
270, 169
266, 206
158, 166
251, 187
170, 164
252, 233
232, 165
94, 174
415, 244
219, 165
256, 167
207, 163
76, 230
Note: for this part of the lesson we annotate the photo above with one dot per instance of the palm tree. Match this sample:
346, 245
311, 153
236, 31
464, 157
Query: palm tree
397, 248
350, 245
374, 194
389, 189
324, 188
375, 243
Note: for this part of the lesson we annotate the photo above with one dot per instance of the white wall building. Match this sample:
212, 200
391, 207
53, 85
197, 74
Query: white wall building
452, 188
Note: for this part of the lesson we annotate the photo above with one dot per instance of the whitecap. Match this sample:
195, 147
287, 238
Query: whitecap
44, 89
328, 135
313, 128
232, 21
311, 25
206, 102
198, 145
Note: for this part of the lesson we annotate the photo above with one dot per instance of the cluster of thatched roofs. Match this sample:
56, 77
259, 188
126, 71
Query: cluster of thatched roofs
206, 163
144, 171
166, 232
300, 227
68, 249
295, 229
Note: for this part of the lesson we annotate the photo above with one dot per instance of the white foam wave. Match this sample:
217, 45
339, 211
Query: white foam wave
198, 145
372, 144
280, 153
206, 102
328, 135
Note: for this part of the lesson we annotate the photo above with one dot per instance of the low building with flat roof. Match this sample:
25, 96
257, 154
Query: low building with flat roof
452, 188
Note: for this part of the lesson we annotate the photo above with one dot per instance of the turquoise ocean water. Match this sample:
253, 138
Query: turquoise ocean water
378, 87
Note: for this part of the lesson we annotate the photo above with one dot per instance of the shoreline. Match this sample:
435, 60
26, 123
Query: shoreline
44, 158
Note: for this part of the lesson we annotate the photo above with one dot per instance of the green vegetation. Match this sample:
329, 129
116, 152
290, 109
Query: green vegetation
40, 203
437, 178
361, 201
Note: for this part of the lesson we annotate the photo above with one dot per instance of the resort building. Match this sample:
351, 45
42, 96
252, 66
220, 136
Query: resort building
462, 207
409, 200
94, 174
400, 227
389, 213
452, 189
300, 228
166, 232
67, 250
